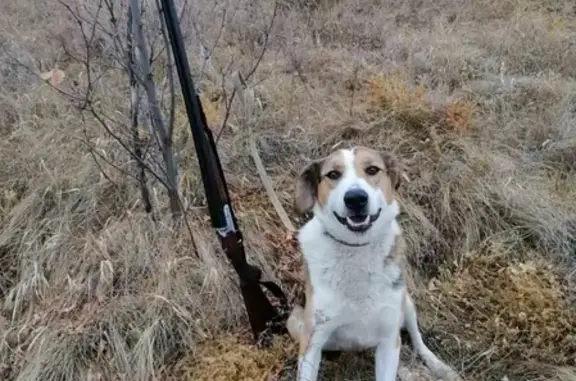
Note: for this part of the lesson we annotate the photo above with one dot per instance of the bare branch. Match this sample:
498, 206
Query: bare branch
265, 44
353, 88
208, 55
156, 119
169, 70
88, 40
226, 116
94, 153
118, 43
251, 71
103, 123
134, 110
135, 56
17, 62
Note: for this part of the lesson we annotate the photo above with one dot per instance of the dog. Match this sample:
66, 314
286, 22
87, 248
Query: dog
353, 257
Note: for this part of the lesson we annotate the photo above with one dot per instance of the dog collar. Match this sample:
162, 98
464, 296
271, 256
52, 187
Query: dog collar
344, 242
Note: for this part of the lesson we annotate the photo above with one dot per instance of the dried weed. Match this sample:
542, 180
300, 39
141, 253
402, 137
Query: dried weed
234, 358
515, 311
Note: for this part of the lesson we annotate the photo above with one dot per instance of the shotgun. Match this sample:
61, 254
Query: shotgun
263, 316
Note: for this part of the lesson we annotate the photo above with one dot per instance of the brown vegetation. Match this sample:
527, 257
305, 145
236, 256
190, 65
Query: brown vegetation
477, 97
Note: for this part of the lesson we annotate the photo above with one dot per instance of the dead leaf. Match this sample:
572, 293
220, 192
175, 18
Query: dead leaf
55, 76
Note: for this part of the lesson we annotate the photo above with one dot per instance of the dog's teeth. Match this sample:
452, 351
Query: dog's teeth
357, 223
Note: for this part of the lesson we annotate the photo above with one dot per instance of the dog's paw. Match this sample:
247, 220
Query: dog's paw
415, 374
404, 374
445, 373
438, 368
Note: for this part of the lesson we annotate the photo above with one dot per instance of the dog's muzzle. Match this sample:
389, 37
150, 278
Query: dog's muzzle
357, 218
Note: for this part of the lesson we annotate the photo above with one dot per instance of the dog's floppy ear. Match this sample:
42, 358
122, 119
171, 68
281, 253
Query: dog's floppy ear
396, 169
307, 187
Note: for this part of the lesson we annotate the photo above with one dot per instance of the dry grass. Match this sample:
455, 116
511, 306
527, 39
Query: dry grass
233, 358
477, 97
520, 311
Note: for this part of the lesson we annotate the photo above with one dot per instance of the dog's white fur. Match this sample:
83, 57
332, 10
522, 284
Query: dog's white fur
356, 298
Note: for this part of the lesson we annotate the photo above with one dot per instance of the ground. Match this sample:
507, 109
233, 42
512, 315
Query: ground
477, 97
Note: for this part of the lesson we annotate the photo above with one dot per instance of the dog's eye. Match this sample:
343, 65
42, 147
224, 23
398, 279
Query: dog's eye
372, 170
333, 175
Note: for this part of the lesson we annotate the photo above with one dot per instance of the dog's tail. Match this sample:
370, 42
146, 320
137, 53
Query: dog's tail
436, 366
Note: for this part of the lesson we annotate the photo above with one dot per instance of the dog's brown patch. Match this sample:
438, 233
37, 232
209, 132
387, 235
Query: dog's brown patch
389, 174
306, 187
334, 162
314, 184
398, 252
397, 258
300, 321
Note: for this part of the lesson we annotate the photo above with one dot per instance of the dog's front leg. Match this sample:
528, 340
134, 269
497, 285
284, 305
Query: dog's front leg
387, 359
311, 347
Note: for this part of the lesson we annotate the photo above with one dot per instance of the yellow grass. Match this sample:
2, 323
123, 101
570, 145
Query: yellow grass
234, 358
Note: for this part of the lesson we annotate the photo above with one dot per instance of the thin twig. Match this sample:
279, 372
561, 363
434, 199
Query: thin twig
103, 123
354, 80
250, 72
94, 152
226, 116
118, 43
266, 38
208, 55
36, 74
87, 44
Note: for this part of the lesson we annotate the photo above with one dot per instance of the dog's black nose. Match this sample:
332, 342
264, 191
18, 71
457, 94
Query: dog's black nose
356, 199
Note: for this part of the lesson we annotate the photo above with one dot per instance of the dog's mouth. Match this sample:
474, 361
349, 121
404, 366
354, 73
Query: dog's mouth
358, 223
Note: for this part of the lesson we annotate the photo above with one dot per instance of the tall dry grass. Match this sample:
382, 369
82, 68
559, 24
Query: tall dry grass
477, 97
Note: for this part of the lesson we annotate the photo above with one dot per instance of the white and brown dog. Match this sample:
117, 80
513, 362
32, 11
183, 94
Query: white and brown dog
353, 254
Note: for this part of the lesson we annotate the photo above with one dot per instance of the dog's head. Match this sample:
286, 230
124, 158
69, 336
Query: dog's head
352, 192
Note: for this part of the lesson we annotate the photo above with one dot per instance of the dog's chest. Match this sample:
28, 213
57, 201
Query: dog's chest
362, 283
359, 291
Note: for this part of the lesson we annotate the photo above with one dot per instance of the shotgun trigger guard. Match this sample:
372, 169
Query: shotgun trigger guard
229, 227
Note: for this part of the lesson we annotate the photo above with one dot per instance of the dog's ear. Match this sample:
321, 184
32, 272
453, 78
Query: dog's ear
396, 169
307, 187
